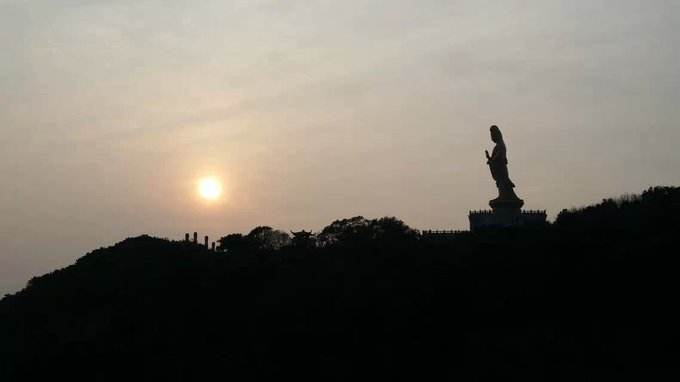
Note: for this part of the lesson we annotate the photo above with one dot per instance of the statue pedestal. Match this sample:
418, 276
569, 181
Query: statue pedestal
506, 205
505, 214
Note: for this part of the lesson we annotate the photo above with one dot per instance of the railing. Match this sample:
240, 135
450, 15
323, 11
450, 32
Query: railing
481, 212
537, 212
442, 232
528, 212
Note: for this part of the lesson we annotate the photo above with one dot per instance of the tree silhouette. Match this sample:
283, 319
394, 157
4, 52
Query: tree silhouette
267, 239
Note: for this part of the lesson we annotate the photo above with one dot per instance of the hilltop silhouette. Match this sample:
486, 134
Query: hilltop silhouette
588, 297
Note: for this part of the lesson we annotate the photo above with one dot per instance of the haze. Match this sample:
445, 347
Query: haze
311, 111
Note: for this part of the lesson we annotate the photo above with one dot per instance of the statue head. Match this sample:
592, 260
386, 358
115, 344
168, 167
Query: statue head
496, 135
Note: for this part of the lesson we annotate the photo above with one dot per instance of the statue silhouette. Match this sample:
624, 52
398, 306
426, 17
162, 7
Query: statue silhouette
498, 164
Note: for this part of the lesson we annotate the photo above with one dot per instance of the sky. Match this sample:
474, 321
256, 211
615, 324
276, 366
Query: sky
311, 111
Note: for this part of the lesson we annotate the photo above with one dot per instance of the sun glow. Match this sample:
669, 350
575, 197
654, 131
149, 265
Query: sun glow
210, 188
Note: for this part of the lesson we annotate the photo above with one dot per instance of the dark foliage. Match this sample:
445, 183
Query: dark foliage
590, 297
260, 239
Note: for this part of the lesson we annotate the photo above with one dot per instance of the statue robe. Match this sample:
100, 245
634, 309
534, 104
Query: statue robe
498, 163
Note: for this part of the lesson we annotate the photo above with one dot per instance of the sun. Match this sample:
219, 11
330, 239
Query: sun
210, 188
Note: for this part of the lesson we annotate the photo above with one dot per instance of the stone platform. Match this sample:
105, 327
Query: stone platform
504, 218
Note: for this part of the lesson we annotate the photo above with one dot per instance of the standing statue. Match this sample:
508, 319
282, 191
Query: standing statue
498, 164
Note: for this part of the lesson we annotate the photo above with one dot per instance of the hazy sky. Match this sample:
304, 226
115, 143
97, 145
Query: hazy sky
315, 110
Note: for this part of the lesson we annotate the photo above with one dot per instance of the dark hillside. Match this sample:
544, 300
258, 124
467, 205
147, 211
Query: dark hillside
590, 297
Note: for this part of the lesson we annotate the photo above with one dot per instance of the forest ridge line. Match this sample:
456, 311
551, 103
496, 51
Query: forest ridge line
591, 288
